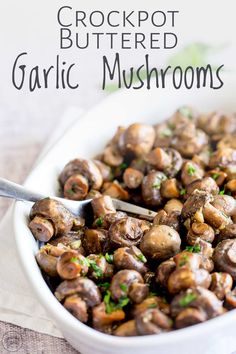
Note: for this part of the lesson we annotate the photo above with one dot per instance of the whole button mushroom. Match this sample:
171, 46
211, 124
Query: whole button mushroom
228, 232
99, 267
95, 241
132, 178
130, 258
128, 283
165, 159
77, 307
223, 158
199, 298
191, 172
221, 284
125, 232
151, 302
225, 203
105, 170
163, 272
189, 317
102, 205
153, 321
206, 184
215, 217
230, 300
78, 176
50, 218
224, 257
160, 242
137, 140
47, 261
71, 264
85, 288
202, 231
195, 202
127, 329
151, 188
103, 320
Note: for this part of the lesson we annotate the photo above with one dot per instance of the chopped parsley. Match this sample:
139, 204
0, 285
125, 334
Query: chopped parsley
123, 166
183, 191
194, 249
70, 191
105, 286
109, 258
215, 176
187, 299
222, 192
141, 258
99, 222
157, 185
97, 270
166, 133
85, 262
183, 260
111, 305
124, 287
74, 260
191, 170
185, 111
152, 306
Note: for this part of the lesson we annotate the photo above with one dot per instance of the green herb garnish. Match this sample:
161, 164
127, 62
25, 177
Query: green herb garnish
109, 258
222, 192
111, 305
215, 176
194, 249
185, 111
141, 258
123, 302
187, 299
96, 268
191, 170
123, 166
70, 191
183, 260
166, 133
157, 185
152, 306
99, 222
183, 191
104, 286
123, 287
74, 260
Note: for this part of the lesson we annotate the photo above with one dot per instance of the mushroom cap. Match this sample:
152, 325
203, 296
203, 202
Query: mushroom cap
53, 210
184, 278
195, 202
83, 287
151, 185
102, 205
189, 317
127, 329
122, 281
225, 203
224, 257
163, 272
77, 307
152, 321
103, 321
86, 168
71, 264
160, 242
137, 140
130, 258
206, 184
125, 232
221, 284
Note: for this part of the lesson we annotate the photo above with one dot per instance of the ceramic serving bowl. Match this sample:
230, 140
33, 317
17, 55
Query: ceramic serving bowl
85, 139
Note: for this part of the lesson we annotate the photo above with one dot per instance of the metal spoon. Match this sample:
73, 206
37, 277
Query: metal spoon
13, 190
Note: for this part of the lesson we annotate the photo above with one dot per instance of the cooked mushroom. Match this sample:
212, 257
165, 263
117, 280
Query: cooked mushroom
125, 232
195, 202
130, 258
103, 321
102, 205
50, 218
47, 261
151, 188
188, 259
105, 170
83, 287
164, 132
137, 140
189, 317
223, 158
218, 175
128, 283
215, 217
153, 321
230, 300
226, 233
71, 264
225, 203
221, 284
163, 272
151, 302
127, 329
132, 178
170, 188
206, 184
173, 205
96, 241
199, 298
191, 172
202, 231
99, 267
87, 175
224, 257
184, 278
171, 219
77, 307
112, 156
115, 190
217, 123
160, 242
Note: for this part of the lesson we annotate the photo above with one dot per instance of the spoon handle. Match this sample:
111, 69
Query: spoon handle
13, 190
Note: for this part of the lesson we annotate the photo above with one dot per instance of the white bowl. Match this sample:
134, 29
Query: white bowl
87, 138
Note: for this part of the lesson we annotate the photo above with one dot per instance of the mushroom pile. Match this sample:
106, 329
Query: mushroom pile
126, 276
